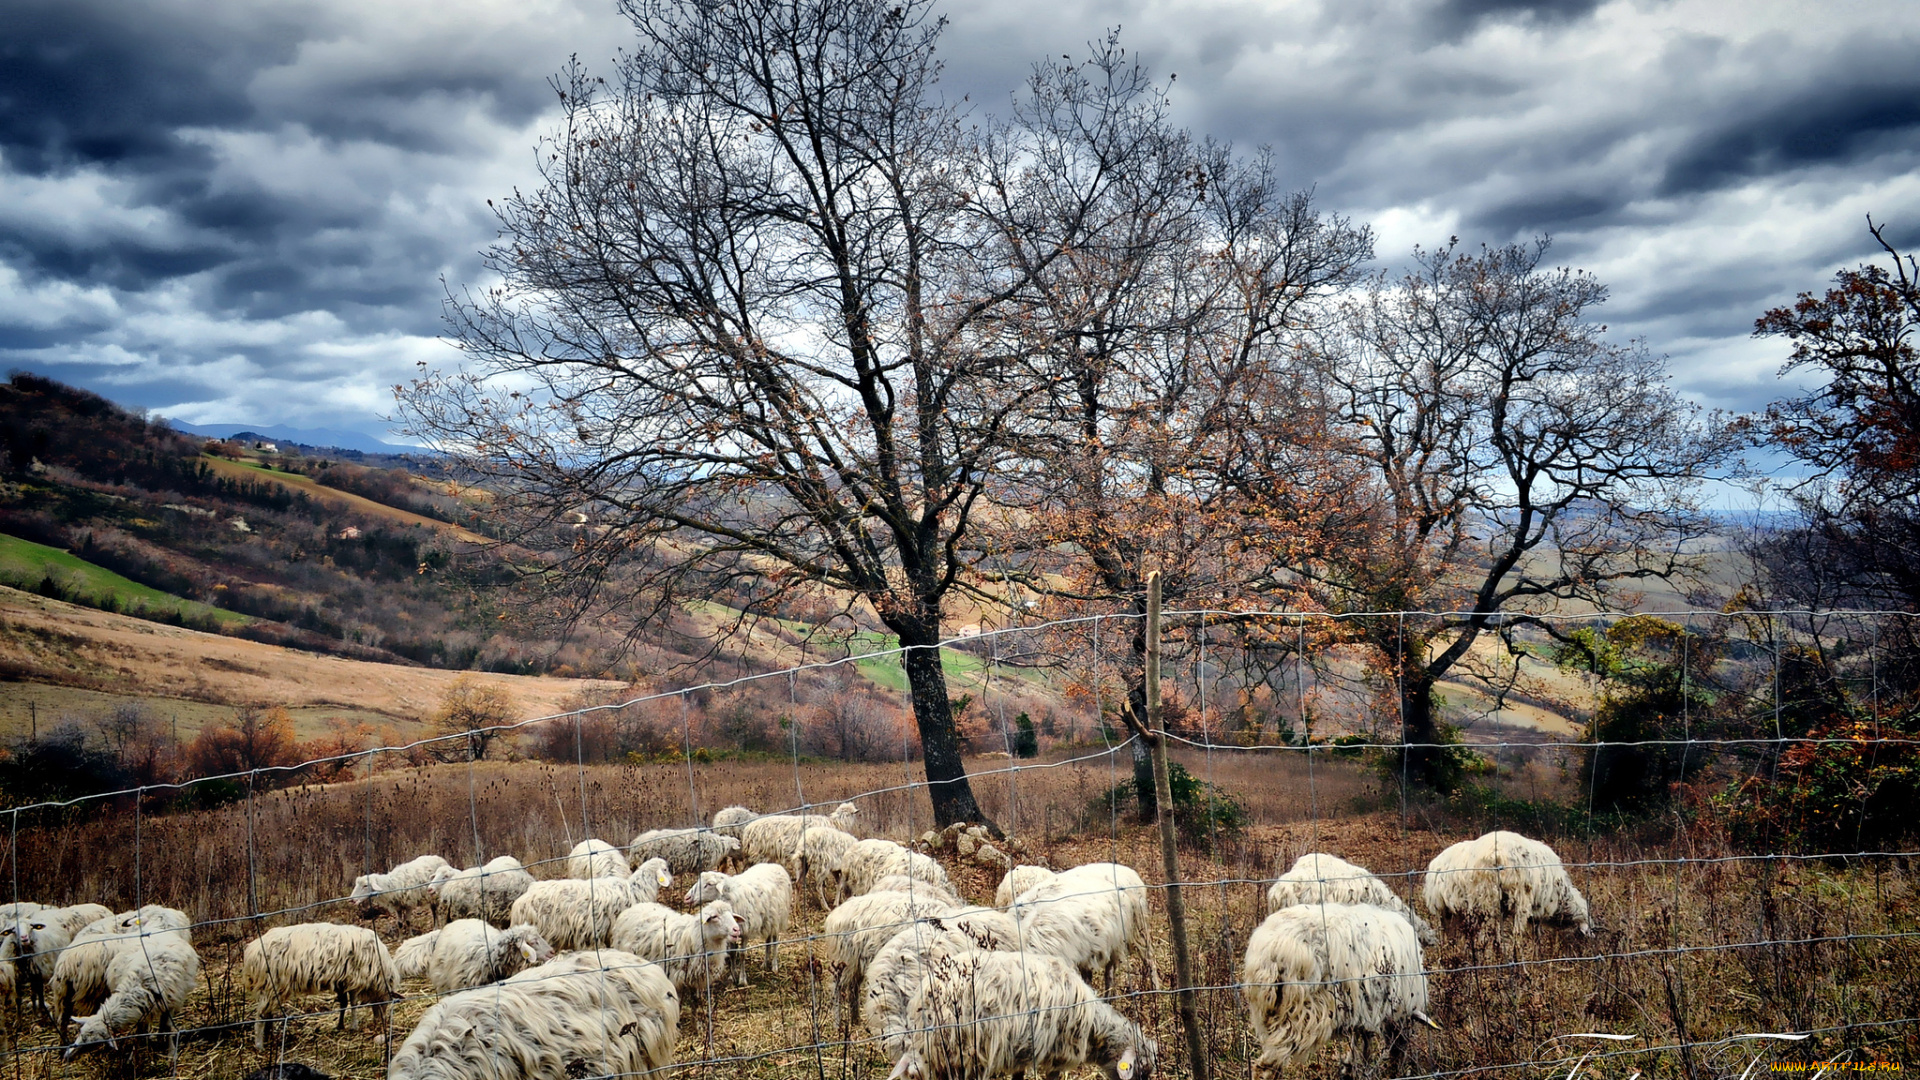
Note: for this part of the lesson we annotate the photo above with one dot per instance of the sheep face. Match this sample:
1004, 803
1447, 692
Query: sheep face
93, 1032
1136, 1062
706, 888
909, 1067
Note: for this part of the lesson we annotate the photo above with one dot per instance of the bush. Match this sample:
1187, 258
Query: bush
1026, 741
59, 766
1853, 793
1202, 812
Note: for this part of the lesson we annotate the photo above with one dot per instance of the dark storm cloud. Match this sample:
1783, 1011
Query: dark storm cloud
91, 84
245, 209
1457, 16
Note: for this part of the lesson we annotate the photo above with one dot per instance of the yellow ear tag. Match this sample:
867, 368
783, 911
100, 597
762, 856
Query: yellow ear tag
665, 878
1125, 1070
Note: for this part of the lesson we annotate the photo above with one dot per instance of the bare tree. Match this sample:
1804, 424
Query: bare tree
762, 328
1155, 443
1516, 460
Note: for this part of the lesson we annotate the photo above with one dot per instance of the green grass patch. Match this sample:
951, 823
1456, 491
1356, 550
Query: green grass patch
50, 571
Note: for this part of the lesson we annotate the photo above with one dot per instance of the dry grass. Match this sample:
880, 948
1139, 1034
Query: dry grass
1673, 960
54, 642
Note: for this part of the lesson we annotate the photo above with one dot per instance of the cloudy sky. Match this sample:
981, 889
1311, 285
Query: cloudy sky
242, 210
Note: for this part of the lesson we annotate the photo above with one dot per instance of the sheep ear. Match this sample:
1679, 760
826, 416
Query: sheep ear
664, 878
1125, 1068
526, 951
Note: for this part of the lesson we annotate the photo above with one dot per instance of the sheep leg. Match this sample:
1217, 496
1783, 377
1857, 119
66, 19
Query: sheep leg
1396, 1048
342, 1025
773, 953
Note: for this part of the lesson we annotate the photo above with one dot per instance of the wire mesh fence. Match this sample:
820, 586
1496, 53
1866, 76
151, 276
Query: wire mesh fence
1722, 788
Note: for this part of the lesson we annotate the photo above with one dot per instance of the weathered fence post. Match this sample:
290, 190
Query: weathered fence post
1163, 794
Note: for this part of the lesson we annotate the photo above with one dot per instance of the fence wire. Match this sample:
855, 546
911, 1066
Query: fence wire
1823, 939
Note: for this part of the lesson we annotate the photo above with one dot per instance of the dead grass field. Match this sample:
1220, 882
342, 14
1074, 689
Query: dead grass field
1674, 960
49, 641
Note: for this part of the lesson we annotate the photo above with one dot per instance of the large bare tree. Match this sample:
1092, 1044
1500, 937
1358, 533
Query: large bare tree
763, 326
1517, 460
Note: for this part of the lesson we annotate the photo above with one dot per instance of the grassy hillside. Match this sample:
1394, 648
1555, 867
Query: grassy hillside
26, 564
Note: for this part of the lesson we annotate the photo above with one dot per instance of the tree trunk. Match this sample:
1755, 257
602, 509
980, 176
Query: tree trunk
939, 744
1425, 757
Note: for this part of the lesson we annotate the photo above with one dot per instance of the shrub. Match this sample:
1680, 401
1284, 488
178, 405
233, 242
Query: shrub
1026, 740
1202, 812
1850, 791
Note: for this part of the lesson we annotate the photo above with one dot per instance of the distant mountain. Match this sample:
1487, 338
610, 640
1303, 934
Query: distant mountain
334, 437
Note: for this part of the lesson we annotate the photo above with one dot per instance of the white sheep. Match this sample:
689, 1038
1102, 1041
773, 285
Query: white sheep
80, 972
313, 958
10, 915
1018, 880
648, 879
686, 851
34, 940
986, 1014
600, 1013
1504, 875
727, 821
859, 928
775, 837
762, 895
1314, 970
900, 966
903, 883
597, 858
818, 859
468, 952
398, 891
870, 860
574, 913
691, 949
148, 977
1089, 916
1317, 878
479, 892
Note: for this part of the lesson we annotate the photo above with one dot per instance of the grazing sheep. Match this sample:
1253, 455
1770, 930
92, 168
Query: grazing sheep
903, 883
775, 837
313, 958
574, 913
1318, 969
398, 891
80, 973
1504, 875
859, 928
468, 952
691, 949
762, 895
1019, 880
1326, 879
597, 858
35, 941
870, 860
148, 977
818, 859
986, 1014
1089, 916
600, 1013
686, 851
727, 822
479, 892
900, 966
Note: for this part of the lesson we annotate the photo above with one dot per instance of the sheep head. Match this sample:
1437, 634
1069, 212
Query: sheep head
93, 1032
909, 1067
1135, 1063
706, 887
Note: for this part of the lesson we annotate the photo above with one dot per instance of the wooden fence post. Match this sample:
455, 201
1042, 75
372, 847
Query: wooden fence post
1163, 794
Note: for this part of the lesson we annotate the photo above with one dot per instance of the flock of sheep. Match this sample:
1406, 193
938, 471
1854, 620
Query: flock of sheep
589, 974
